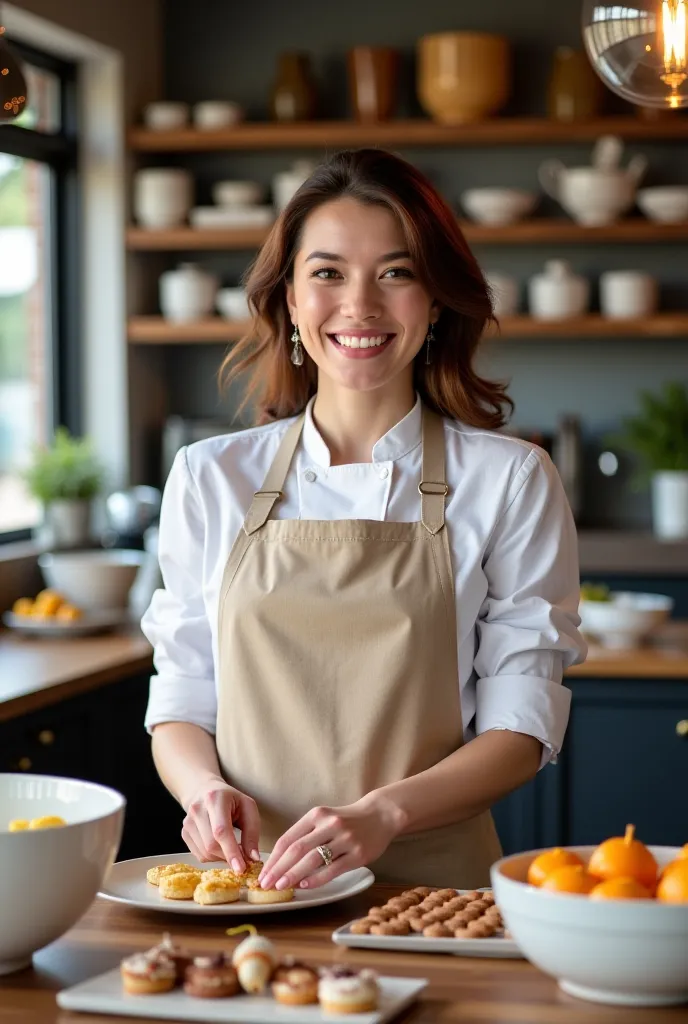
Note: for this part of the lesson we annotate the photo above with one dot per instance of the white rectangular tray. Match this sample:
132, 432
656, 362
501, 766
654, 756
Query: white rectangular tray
105, 994
498, 947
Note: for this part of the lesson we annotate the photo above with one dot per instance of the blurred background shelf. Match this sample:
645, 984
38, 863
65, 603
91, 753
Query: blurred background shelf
155, 330
417, 132
544, 231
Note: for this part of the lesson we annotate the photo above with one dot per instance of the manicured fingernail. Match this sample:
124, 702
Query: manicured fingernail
255, 855
282, 882
304, 883
236, 864
266, 882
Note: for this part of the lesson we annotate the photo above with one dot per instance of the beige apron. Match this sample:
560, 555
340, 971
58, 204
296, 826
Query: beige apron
338, 667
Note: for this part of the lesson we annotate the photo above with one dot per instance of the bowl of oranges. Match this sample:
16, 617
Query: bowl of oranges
50, 614
609, 922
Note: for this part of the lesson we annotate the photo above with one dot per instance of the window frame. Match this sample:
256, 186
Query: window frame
60, 152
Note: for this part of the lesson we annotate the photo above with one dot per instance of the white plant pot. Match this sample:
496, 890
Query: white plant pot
66, 523
670, 504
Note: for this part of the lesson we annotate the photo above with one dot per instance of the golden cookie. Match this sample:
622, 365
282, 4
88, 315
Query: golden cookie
153, 875
180, 885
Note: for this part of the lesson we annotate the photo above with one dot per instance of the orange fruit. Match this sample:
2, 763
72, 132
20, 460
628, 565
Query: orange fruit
624, 857
546, 862
673, 885
620, 889
570, 878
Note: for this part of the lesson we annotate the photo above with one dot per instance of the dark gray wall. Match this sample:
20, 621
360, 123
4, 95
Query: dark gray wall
218, 49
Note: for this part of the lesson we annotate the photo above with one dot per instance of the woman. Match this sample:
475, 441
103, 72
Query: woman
349, 671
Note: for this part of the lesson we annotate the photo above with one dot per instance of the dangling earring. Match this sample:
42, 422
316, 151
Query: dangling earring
297, 351
429, 337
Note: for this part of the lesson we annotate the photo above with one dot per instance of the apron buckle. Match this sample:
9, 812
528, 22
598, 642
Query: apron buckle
425, 487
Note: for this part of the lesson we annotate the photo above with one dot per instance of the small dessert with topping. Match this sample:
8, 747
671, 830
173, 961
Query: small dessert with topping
211, 977
180, 957
181, 885
295, 983
148, 973
347, 990
254, 960
256, 894
153, 875
213, 889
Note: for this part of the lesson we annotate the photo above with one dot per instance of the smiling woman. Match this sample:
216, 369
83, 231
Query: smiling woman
371, 597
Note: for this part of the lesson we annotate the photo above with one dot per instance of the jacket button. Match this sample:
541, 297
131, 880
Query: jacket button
310, 476
384, 473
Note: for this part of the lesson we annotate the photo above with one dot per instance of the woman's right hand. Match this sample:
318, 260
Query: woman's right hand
211, 812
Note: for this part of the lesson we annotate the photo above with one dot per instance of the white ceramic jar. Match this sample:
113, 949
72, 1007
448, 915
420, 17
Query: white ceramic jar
286, 183
626, 294
558, 293
162, 196
504, 290
187, 293
165, 115
210, 115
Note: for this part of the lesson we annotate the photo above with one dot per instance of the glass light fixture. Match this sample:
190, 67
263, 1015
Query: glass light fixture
639, 50
12, 83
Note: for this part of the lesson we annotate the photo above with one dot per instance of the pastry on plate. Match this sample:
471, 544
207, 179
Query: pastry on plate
347, 990
255, 960
148, 973
180, 957
214, 889
153, 875
211, 977
294, 983
181, 885
255, 894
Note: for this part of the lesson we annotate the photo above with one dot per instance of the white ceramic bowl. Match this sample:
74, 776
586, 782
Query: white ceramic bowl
237, 193
498, 206
667, 204
628, 952
165, 115
210, 115
626, 619
232, 303
49, 877
92, 580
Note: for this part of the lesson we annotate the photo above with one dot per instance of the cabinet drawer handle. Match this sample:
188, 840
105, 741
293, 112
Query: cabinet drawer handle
682, 728
46, 737
24, 764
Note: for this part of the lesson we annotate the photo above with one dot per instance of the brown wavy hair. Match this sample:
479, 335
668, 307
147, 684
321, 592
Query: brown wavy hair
443, 262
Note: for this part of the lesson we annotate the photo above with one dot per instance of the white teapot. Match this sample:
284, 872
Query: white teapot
598, 194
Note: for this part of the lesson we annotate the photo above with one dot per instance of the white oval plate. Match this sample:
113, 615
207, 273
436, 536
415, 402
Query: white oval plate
87, 625
126, 883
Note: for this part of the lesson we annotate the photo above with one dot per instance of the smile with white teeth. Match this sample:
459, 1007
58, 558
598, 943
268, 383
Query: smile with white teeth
354, 341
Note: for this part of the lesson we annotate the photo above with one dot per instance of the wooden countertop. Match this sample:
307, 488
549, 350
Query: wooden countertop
465, 989
666, 657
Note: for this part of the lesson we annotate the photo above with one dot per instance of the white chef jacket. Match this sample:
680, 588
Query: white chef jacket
513, 547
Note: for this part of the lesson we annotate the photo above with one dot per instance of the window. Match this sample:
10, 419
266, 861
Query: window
39, 268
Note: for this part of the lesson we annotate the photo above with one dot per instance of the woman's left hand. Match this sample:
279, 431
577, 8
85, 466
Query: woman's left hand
355, 834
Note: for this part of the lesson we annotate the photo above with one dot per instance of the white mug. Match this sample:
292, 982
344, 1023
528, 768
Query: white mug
625, 294
162, 196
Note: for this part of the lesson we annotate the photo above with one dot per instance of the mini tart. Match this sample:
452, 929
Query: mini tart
180, 886
346, 990
148, 973
153, 875
210, 891
295, 983
255, 960
180, 957
251, 873
225, 874
255, 894
211, 977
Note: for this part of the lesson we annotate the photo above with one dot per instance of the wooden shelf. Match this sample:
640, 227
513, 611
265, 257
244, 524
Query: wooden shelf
419, 132
544, 231
154, 330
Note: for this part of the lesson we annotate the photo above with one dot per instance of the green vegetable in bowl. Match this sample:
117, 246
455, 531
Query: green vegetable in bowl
595, 592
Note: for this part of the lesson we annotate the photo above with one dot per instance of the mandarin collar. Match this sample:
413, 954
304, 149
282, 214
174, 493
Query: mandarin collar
397, 442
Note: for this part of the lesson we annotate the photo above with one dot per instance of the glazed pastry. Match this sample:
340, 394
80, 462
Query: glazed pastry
211, 977
180, 886
295, 983
346, 990
148, 973
180, 957
213, 889
153, 875
255, 960
254, 893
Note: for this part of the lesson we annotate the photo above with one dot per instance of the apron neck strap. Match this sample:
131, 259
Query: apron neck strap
433, 486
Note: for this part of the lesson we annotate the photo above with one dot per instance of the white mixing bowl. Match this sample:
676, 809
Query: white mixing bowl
498, 206
92, 580
626, 619
628, 952
49, 877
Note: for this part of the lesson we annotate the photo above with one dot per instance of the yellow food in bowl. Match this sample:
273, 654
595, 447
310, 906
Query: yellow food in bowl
24, 606
19, 825
47, 605
46, 821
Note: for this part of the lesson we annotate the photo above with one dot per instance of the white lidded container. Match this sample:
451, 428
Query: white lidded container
187, 293
558, 293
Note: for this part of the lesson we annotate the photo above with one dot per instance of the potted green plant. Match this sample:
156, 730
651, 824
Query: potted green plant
658, 437
65, 477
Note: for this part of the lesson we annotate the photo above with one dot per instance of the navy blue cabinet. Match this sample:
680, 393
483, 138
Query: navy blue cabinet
625, 759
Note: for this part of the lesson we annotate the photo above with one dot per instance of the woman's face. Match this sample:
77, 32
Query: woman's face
362, 312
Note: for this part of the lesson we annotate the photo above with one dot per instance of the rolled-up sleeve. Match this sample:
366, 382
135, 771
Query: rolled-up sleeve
176, 622
527, 627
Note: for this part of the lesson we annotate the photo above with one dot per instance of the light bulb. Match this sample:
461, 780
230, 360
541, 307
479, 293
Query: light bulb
639, 51
12, 83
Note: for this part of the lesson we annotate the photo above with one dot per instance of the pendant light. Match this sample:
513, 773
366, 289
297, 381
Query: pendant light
639, 51
12, 83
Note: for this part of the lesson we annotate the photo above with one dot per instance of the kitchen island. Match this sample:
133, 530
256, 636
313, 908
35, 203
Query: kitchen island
461, 989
